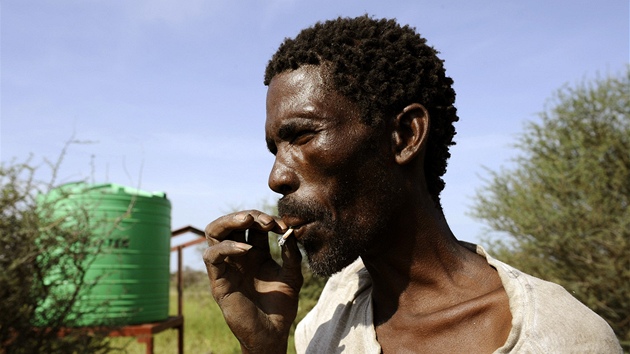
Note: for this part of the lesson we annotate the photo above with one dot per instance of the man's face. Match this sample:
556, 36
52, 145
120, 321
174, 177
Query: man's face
334, 172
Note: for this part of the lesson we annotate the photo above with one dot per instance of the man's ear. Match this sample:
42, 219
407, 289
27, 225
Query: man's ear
410, 132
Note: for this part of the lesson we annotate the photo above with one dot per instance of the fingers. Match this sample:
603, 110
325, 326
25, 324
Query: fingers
292, 264
232, 226
217, 266
214, 257
226, 237
291, 255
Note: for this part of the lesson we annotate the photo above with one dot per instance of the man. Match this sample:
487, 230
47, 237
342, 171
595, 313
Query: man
360, 118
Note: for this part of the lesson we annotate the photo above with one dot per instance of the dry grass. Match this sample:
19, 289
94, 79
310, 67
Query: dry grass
205, 330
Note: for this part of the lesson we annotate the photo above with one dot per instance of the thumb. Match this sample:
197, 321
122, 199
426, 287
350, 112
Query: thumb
292, 263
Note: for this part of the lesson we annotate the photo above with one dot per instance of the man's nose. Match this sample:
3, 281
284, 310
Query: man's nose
282, 178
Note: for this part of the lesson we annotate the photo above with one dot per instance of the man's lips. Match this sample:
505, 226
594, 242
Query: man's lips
293, 222
296, 224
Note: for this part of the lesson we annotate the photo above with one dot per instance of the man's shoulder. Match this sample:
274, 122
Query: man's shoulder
548, 318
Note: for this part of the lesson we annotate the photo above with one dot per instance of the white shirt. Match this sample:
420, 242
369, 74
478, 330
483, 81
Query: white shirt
545, 317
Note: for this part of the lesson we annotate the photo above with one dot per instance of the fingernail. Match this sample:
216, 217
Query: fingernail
266, 219
243, 246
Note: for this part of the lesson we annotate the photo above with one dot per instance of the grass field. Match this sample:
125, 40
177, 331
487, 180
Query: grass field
205, 330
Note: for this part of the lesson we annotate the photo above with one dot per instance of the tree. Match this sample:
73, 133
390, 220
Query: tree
44, 257
562, 212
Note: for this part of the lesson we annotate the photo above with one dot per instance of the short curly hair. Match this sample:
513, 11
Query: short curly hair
382, 67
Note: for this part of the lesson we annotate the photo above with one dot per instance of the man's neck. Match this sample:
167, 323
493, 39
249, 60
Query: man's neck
432, 294
423, 260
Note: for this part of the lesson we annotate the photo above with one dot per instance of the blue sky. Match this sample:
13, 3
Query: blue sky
170, 93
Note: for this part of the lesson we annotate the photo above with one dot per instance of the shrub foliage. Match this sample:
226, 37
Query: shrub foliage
41, 253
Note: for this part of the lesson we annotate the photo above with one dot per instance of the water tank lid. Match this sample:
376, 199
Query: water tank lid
109, 188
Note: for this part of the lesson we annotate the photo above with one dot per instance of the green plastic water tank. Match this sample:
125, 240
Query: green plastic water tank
128, 280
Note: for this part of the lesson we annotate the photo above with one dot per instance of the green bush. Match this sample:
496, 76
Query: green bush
38, 252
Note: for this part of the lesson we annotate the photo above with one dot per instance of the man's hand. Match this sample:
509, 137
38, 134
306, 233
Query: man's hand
258, 297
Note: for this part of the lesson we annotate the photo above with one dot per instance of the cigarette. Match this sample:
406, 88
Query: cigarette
283, 239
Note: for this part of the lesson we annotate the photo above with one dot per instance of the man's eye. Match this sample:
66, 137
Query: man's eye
302, 137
